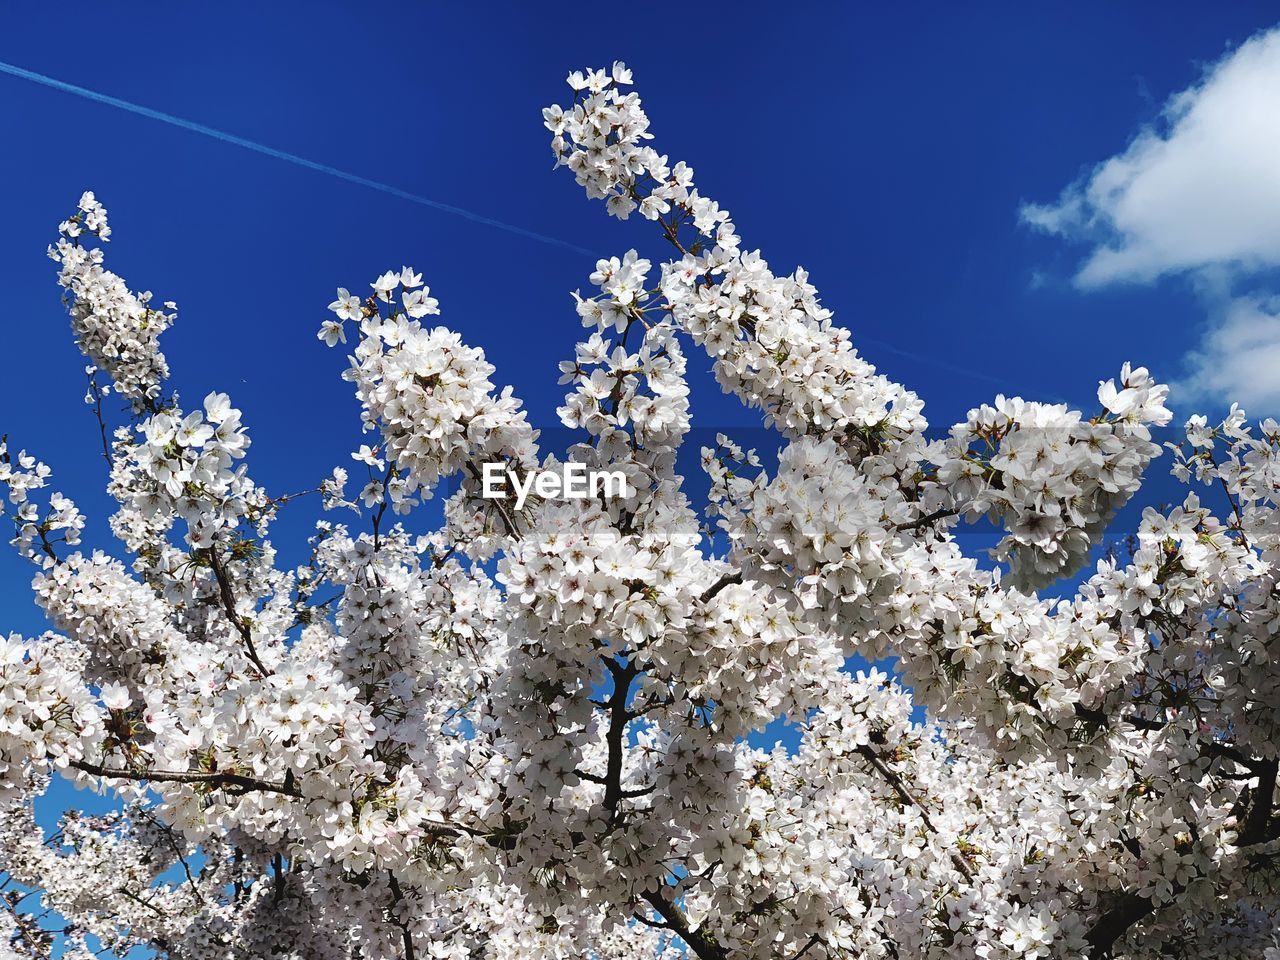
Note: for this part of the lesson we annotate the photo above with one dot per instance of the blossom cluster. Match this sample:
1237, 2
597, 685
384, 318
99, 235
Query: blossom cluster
21, 475
547, 728
427, 392
117, 329
1052, 479
184, 468
773, 344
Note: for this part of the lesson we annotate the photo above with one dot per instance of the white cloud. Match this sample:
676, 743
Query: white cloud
1239, 358
1198, 194
1202, 191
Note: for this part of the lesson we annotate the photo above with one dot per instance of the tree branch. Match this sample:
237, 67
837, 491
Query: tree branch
622, 674
1209, 748
507, 521
700, 942
405, 934
1257, 825
246, 784
905, 795
1113, 924
1133, 907
229, 604
728, 580
927, 519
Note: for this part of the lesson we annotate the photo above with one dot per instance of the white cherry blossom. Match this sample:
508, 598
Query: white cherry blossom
542, 730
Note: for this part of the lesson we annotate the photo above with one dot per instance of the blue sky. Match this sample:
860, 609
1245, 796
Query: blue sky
892, 152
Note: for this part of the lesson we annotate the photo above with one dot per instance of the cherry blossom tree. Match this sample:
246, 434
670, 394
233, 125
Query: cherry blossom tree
525, 734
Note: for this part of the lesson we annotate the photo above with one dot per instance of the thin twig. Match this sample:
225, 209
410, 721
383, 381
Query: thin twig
229, 604
927, 519
907, 798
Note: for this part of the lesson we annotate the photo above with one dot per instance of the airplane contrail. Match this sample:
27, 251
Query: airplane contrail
293, 158
386, 188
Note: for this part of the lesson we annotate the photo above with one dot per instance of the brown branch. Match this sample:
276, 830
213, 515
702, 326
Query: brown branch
246, 784
1208, 748
1257, 825
907, 798
229, 604
277, 866
700, 942
728, 580
406, 935
927, 519
1133, 907
1113, 924
96, 392
45, 545
137, 899
177, 850
622, 674
382, 510
651, 923
507, 521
